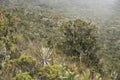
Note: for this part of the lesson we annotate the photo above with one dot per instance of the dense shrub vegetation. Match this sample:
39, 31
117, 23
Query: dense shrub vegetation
45, 46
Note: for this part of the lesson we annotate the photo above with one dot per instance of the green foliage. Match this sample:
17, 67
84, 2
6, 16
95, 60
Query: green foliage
68, 73
76, 38
79, 37
22, 64
87, 75
23, 76
50, 72
10, 43
26, 63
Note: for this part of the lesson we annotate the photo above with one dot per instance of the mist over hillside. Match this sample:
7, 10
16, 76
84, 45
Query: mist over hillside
95, 9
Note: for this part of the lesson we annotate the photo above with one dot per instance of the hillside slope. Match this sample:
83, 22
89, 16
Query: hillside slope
39, 45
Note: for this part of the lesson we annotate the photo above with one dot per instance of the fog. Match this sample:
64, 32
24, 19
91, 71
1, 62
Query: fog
100, 11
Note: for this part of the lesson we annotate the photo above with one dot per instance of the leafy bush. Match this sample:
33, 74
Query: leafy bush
88, 76
76, 38
50, 72
23, 76
79, 37
16, 66
26, 63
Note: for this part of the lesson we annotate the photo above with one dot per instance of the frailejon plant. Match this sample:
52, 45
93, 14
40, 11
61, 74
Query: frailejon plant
45, 55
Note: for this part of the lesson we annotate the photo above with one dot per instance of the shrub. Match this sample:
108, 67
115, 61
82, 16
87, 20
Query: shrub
76, 38
16, 66
23, 76
79, 37
26, 63
50, 72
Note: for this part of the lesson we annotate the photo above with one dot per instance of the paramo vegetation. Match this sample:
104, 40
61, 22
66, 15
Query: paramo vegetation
44, 46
